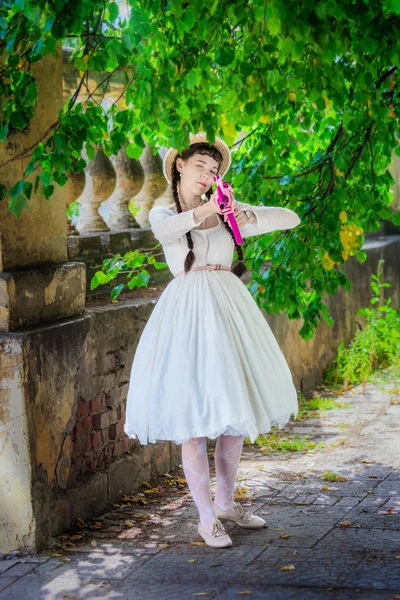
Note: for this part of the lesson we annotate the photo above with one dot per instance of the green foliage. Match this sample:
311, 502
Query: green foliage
375, 346
315, 86
131, 265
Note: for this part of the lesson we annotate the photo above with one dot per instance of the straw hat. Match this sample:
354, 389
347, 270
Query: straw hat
194, 139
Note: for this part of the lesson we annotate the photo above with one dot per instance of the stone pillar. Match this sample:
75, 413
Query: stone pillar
100, 184
153, 186
37, 285
130, 178
73, 189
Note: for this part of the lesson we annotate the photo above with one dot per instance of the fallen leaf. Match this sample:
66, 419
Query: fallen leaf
245, 592
129, 524
372, 477
80, 523
284, 536
163, 546
287, 568
325, 487
198, 543
192, 560
345, 523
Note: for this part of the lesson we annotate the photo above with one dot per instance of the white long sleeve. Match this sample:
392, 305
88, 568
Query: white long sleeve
269, 218
168, 228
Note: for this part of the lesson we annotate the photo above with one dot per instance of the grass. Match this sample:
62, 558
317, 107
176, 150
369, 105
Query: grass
278, 442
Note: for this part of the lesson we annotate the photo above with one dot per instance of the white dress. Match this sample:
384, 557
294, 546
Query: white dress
207, 361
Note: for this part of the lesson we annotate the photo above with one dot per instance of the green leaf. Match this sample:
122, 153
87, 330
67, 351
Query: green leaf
224, 56
274, 25
189, 18
396, 219
361, 256
113, 10
3, 132
115, 292
17, 205
134, 151
160, 265
99, 278
16, 189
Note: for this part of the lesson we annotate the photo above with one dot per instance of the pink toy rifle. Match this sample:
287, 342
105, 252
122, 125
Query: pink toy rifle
224, 200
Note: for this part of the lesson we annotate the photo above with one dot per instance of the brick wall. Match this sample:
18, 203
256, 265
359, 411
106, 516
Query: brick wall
98, 434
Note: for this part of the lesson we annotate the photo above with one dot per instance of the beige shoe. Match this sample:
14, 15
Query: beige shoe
238, 514
214, 535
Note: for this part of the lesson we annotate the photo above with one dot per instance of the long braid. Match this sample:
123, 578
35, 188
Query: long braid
190, 257
240, 268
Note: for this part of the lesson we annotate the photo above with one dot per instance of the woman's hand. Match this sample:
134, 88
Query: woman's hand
213, 203
240, 217
217, 210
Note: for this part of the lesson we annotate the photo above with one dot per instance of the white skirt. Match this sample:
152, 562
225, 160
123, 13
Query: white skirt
207, 363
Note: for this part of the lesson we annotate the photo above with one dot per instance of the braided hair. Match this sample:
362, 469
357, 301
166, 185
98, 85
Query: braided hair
203, 148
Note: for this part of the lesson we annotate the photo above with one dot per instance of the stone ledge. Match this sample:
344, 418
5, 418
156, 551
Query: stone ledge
40, 294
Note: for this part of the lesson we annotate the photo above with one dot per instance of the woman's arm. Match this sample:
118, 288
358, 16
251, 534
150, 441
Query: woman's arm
267, 218
168, 227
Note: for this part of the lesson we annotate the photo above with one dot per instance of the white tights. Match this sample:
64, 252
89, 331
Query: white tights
196, 468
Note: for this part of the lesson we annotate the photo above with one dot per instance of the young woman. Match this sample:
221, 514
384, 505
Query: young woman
207, 364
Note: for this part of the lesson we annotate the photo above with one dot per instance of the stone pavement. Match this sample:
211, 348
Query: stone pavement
325, 539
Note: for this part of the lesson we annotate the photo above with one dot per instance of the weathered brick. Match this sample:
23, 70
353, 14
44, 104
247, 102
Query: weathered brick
82, 427
123, 391
97, 440
96, 404
112, 431
104, 419
121, 411
82, 409
78, 448
104, 436
120, 429
108, 401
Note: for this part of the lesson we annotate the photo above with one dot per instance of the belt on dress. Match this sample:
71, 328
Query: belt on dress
208, 267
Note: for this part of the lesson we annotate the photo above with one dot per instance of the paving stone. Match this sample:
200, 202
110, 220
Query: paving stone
378, 571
